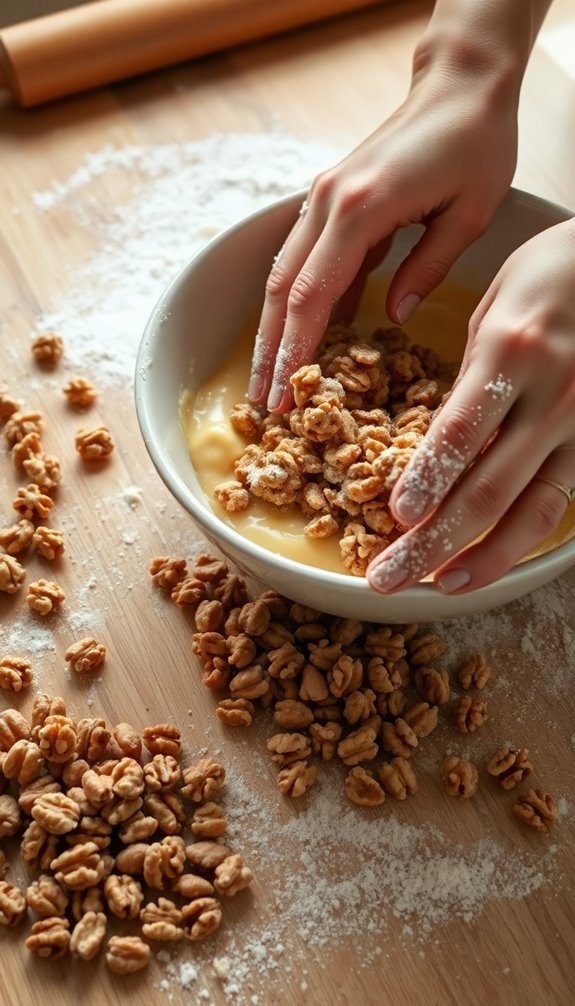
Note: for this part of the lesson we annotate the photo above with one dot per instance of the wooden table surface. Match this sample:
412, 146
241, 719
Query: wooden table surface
334, 83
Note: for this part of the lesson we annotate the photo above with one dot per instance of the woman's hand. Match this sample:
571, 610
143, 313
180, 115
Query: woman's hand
444, 159
499, 457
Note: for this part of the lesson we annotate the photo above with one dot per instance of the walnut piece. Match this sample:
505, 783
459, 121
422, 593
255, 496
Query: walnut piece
31, 502
201, 918
85, 655
43, 470
470, 714
88, 935
235, 712
296, 778
49, 938
164, 738
21, 423
232, 876
80, 393
510, 766
12, 574
95, 444
127, 954
168, 571
44, 596
363, 789
12, 904
537, 809
459, 777
203, 780
15, 674
46, 898
17, 537
56, 813
398, 778
474, 672
48, 542
47, 348
124, 896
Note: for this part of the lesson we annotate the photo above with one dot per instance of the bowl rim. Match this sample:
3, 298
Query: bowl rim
206, 517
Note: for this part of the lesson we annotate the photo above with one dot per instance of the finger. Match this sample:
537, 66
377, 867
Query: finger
458, 434
446, 236
346, 308
534, 516
285, 268
478, 502
331, 266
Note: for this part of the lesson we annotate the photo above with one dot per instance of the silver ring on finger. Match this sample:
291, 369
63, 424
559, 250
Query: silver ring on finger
567, 492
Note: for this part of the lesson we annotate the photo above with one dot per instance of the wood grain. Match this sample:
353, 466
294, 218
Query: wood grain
334, 82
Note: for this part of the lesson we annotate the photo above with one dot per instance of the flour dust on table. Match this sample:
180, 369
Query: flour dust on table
180, 196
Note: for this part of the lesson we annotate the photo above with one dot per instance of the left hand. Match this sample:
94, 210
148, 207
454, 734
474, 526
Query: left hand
507, 427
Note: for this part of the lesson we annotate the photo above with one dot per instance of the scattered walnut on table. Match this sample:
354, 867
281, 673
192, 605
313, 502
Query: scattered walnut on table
21, 423
85, 655
30, 502
470, 714
8, 405
56, 813
10, 816
44, 596
23, 762
12, 574
433, 684
161, 921
202, 780
398, 778
17, 537
47, 347
25, 449
80, 393
49, 938
164, 738
46, 897
537, 809
362, 788
232, 876
510, 766
235, 712
95, 444
459, 777
474, 672
127, 954
296, 778
422, 650
399, 738
48, 542
12, 904
88, 935
15, 673
44, 470
201, 917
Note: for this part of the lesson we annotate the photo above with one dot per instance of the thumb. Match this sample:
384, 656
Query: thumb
427, 264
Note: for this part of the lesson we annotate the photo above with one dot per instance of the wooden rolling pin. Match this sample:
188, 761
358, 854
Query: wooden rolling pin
108, 40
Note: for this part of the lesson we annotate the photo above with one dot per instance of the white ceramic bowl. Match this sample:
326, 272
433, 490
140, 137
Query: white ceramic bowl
193, 327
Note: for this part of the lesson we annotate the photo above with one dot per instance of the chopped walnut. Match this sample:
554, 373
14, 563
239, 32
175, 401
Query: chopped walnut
208, 821
459, 777
31, 502
85, 655
88, 935
168, 571
510, 766
537, 809
127, 954
56, 813
210, 616
189, 591
202, 780
470, 714
424, 649
47, 347
235, 712
358, 547
48, 542
95, 444
17, 538
57, 738
433, 684
12, 904
23, 762
124, 896
80, 393
28, 447
15, 674
363, 789
8, 405
164, 738
161, 921
10, 816
232, 876
210, 569
399, 738
12, 574
296, 778
232, 496
44, 470
474, 672
44, 596
79, 867
49, 938
46, 897
398, 778
201, 918
322, 526
21, 423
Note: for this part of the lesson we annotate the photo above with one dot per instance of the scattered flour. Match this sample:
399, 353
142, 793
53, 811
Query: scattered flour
182, 195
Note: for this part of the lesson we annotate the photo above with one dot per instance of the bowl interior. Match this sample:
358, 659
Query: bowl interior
199, 317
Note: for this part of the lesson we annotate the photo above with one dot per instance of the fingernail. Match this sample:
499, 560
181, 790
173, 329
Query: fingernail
387, 575
452, 580
275, 397
406, 307
256, 388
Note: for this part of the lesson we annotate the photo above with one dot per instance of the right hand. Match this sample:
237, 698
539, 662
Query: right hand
444, 159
